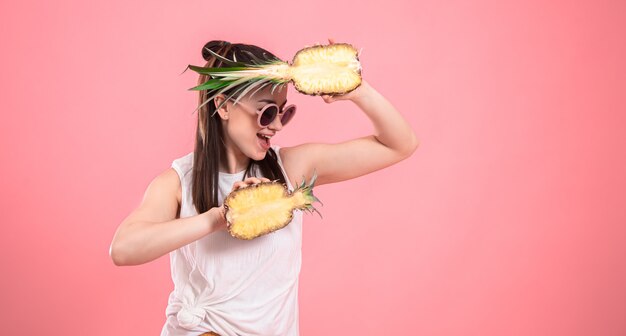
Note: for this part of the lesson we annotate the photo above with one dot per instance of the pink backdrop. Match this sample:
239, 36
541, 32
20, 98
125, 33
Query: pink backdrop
508, 220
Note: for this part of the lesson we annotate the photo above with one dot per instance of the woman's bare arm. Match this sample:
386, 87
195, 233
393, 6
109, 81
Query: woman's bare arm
393, 141
153, 230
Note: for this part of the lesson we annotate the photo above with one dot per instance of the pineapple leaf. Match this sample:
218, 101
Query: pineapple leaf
276, 84
199, 107
209, 71
230, 85
255, 59
226, 60
229, 97
311, 209
318, 213
271, 59
265, 82
313, 178
249, 87
210, 85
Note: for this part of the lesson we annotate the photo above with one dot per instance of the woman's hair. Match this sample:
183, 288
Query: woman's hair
209, 145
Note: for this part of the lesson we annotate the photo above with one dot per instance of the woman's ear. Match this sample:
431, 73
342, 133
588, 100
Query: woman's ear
223, 110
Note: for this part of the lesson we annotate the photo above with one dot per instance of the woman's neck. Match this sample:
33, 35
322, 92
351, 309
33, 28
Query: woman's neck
234, 162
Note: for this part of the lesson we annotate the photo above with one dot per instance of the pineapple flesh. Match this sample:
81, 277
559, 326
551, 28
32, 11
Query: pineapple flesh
265, 207
326, 69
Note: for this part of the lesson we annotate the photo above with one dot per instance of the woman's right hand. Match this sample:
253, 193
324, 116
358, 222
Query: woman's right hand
247, 182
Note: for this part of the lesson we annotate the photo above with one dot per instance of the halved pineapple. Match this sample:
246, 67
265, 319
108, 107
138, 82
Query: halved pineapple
317, 70
265, 207
326, 69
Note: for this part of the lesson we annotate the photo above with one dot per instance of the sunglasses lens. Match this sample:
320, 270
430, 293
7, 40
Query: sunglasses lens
268, 115
288, 114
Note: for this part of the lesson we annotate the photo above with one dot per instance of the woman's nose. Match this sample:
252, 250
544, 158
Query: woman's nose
276, 124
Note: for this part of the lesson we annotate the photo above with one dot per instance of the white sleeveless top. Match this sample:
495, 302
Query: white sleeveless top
232, 286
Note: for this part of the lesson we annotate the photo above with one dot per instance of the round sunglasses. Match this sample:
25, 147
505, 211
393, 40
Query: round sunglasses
269, 112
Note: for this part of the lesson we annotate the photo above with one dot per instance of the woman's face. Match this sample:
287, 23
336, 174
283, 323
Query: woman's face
240, 122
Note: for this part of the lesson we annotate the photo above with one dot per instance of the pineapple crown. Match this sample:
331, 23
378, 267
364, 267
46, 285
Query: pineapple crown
307, 192
259, 73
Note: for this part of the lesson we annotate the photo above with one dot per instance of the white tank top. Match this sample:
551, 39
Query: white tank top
232, 286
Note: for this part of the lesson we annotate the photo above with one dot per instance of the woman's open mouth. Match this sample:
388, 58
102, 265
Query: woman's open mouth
264, 142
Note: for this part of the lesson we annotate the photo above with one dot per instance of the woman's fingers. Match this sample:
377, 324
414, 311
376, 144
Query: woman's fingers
327, 98
237, 185
249, 181
256, 180
253, 180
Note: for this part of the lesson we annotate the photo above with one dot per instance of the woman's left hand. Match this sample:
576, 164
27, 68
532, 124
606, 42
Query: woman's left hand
346, 96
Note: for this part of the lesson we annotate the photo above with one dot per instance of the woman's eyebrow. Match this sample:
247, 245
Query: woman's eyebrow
271, 101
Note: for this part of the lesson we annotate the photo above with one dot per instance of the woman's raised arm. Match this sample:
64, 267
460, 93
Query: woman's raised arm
393, 142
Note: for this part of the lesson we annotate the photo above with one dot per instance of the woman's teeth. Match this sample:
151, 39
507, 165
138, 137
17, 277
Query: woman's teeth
265, 138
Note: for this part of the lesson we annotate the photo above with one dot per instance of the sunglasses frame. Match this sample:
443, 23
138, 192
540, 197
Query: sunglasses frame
280, 113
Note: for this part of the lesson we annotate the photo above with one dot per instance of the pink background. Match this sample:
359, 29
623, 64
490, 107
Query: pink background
508, 220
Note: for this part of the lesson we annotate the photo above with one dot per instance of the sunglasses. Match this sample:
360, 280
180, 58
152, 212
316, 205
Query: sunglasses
269, 112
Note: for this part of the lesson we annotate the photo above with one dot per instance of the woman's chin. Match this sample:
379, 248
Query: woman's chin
258, 154
258, 151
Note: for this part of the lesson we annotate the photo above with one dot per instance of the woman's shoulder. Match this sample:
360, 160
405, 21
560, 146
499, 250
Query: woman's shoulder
279, 154
164, 188
286, 154
183, 165
290, 164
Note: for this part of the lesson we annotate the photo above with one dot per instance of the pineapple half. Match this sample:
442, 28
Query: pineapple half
265, 207
316, 70
329, 69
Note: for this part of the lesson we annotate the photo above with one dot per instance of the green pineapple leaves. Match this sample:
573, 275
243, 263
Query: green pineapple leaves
240, 75
307, 191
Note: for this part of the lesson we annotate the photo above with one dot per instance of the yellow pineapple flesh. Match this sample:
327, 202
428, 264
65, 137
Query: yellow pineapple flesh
326, 69
265, 207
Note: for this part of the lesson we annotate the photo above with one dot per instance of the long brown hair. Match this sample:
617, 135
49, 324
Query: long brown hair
209, 144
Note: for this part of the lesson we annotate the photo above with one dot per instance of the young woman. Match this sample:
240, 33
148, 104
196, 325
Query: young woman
223, 285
